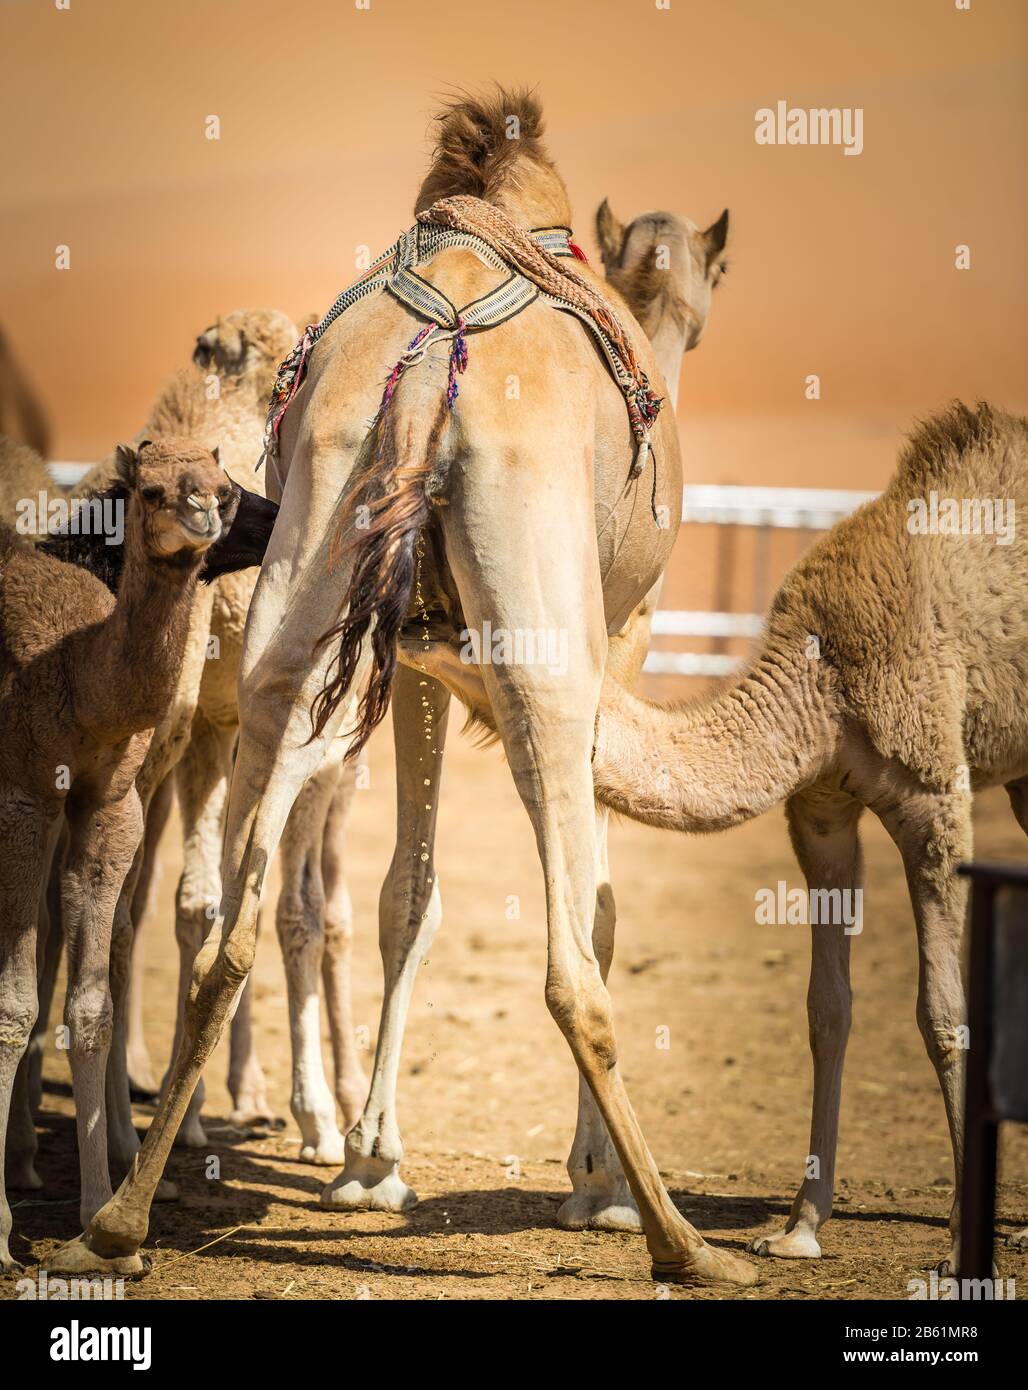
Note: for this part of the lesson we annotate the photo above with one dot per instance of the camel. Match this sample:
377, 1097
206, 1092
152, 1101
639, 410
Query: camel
892, 676
535, 509
239, 355
84, 678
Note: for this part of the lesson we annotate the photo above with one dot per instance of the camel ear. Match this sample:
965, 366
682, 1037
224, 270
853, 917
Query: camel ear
610, 233
714, 238
126, 461
215, 455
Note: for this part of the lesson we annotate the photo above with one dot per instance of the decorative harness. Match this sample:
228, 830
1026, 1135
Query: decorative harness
533, 260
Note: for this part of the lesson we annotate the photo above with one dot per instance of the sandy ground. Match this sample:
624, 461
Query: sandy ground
487, 1094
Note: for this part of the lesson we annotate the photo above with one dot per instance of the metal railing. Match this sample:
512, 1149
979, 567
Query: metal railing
766, 509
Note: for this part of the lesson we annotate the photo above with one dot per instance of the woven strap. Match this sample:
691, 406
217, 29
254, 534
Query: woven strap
536, 273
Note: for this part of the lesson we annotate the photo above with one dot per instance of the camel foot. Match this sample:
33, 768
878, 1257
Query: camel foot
254, 1112
368, 1184
142, 1081
21, 1174
77, 1258
706, 1266
191, 1134
798, 1244
167, 1191
328, 1151
1018, 1241
8, 1264
600, 1211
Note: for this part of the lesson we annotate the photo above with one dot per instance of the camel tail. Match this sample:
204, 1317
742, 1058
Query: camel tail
715, 763
379, 530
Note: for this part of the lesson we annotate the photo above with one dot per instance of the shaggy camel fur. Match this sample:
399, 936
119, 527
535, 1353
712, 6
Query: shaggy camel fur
23, 474
490, 515
84, 678
892, 676
240, 353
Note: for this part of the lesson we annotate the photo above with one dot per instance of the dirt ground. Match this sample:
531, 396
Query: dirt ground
487, 1092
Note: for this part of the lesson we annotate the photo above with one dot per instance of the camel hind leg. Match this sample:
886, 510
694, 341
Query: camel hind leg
300, 923
1018, 793
532, 569
823, 829
351, 1084
601, 1199
142, 1078
22, 877
410, 910
933, 834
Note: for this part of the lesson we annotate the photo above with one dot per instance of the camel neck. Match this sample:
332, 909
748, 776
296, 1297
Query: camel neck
133, 658
667, 337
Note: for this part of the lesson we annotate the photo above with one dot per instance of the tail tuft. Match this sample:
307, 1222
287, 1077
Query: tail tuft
385, 516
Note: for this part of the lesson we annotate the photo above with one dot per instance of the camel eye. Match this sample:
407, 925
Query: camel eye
224, 495
153, 493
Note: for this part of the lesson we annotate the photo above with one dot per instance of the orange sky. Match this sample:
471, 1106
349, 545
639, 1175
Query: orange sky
841, 266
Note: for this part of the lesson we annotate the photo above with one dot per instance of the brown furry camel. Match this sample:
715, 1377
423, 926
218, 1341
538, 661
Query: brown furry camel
892, 676
84, 678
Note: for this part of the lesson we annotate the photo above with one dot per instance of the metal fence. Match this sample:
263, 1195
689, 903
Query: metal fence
765, 509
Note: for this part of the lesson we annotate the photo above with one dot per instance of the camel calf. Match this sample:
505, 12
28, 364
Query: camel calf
84, 678
893, 675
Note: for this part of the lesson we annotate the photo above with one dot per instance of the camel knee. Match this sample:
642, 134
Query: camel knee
581, 1009
943, 1039
89, 1015
829, 1018
300, 912
16, 1024
339, 923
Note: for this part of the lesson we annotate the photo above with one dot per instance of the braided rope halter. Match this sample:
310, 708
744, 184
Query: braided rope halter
536, 263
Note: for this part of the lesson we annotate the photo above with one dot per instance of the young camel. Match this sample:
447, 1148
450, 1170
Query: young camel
84, 678
892, 676
506, 531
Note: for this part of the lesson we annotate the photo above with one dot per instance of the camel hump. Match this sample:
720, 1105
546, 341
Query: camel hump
980, 446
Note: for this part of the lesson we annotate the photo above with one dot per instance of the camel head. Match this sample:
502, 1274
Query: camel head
180, 493
666, 268
245, 341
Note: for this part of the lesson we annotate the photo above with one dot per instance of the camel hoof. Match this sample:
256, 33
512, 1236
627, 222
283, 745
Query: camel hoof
788, 1245
256, 1116
328, 1152
599, 1211
352, 1192
9, 1265
706, 1266
77, 1258
167, 1191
